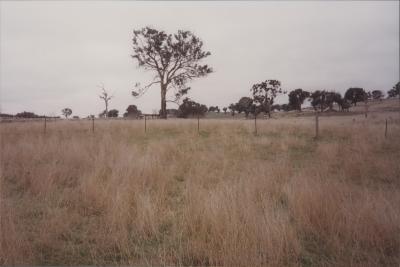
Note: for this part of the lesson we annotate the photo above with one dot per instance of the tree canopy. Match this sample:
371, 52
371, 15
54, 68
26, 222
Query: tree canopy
244, 105
264, 94
191, 108
377, 94
355, 95
297, 97
113, 113
66, 112
132, 111
395, 91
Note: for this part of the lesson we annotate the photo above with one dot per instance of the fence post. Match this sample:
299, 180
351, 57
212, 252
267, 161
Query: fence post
316, 125
198, 123
255, 124
92, 124
386, 128
145, 123
45, 124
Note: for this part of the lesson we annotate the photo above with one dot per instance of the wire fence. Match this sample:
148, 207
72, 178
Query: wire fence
387, 121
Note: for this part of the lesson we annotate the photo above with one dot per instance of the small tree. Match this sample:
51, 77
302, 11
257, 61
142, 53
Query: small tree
112, 113
244, 105
66, 112
225, 109
354, 95
106, 98
395, 91
173, 58
377, 95
191, 108
297, 97
132, 111
264, 94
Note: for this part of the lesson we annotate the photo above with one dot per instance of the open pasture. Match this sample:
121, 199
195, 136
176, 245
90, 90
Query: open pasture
221, 196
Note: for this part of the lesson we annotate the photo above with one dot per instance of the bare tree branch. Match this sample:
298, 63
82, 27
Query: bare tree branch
142, 90
106, 98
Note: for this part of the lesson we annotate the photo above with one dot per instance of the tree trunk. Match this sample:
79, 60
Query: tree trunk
163, 112
106, 115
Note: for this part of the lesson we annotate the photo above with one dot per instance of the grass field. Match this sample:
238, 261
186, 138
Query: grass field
223, 196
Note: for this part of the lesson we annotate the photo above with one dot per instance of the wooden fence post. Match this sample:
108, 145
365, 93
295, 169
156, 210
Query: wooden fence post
145, 123
198, 123
386, 128
45, 124
92, 124
316, 125
255, 124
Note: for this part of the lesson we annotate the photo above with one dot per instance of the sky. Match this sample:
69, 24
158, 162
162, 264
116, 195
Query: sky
55, 55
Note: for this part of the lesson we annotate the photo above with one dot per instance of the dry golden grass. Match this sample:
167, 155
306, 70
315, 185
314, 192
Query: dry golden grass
221, 197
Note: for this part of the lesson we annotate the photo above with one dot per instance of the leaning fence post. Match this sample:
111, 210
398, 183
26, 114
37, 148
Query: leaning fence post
198, 123
386, 128
316, 125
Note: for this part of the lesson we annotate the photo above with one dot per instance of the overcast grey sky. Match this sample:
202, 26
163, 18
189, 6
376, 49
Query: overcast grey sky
54, 54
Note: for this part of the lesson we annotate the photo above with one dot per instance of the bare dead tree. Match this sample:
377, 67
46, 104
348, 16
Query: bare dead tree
106, 97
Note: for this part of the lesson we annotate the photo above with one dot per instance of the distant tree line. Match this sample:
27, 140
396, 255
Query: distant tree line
25, 115
263, 96
261, 100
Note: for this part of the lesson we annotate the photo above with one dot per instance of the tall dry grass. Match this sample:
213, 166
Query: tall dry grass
172, 196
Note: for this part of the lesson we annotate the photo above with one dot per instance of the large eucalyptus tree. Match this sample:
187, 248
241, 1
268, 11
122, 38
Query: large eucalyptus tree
173, 58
